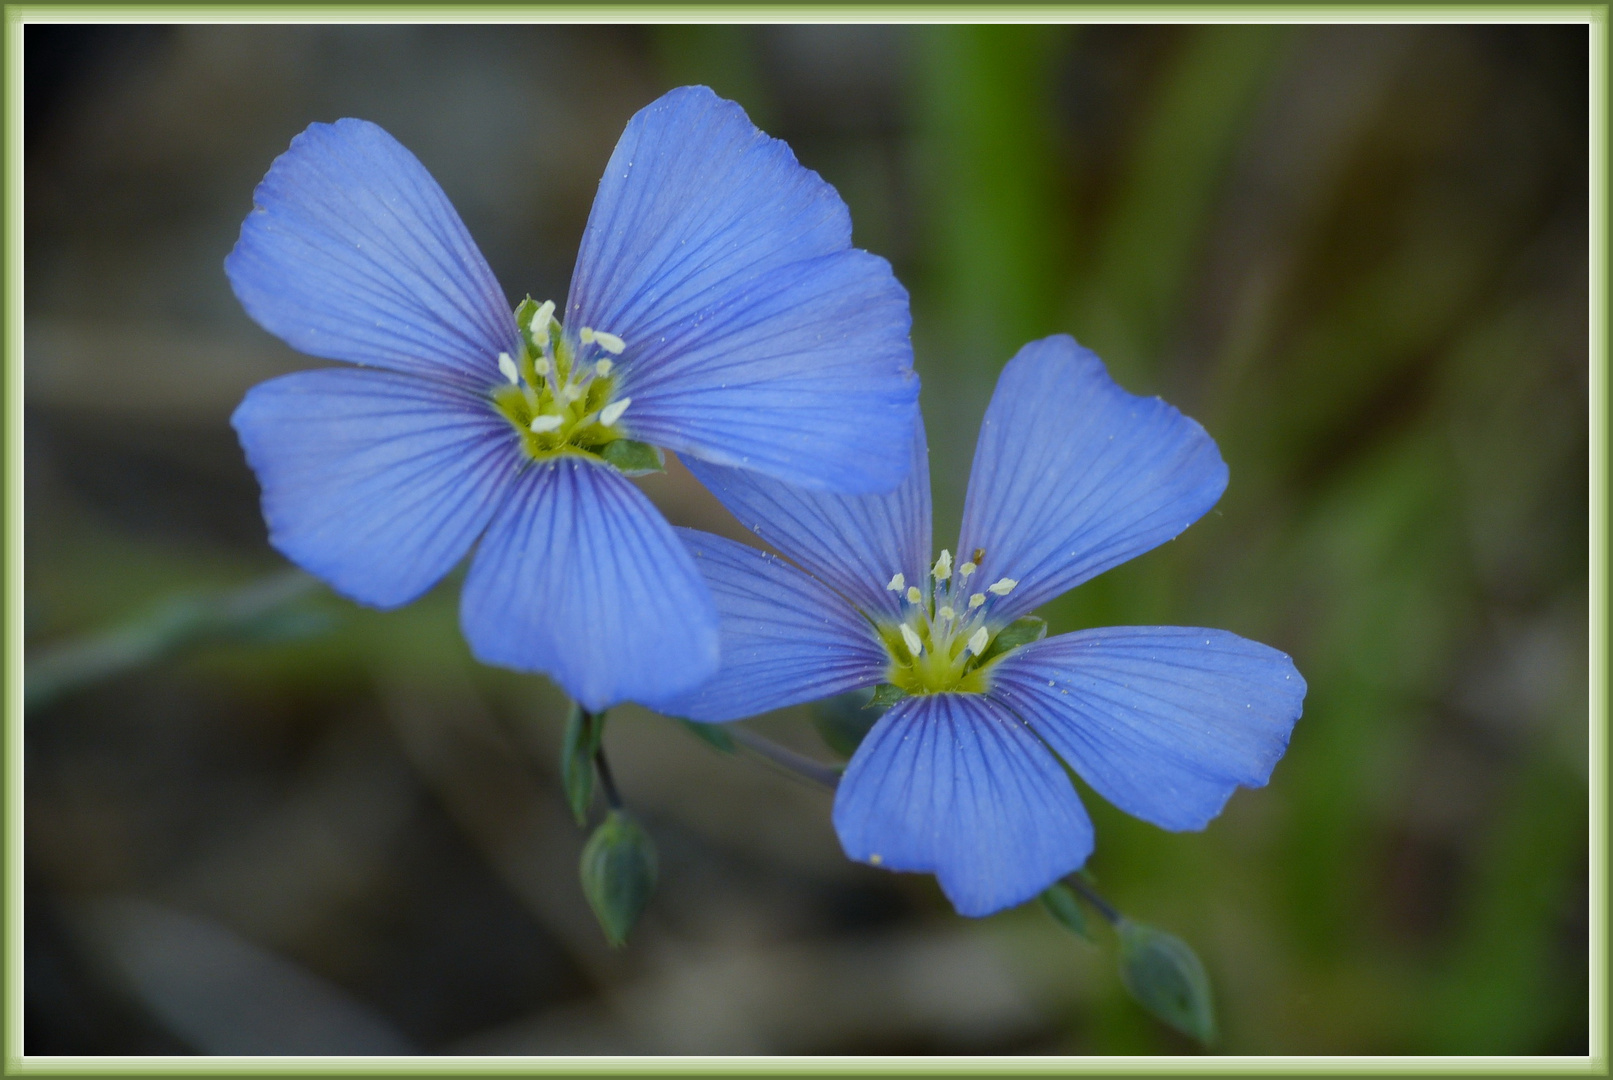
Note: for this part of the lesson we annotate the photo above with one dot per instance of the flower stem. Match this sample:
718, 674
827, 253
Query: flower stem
607, 782
785, 758
1110, 914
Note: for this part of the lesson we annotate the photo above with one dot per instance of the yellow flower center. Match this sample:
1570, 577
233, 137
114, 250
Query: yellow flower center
560, 394
946, 637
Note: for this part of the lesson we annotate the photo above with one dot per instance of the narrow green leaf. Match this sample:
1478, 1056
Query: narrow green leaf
633, 458
1019, 632
618, 872
583, 732
710, 734
1062, 904
1165, 976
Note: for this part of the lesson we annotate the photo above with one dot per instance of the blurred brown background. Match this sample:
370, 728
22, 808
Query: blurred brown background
276, 823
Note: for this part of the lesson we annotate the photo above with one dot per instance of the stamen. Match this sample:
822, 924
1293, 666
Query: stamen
541, 366
610, 342
540, 320
943, 566
1002, 586
914, 596
976, 600
570, 393
966, 569
946, 613
603, 367
613, 412
507, 367
978, 557
898, 583
587, 335
544, 423
977, 641
914, 645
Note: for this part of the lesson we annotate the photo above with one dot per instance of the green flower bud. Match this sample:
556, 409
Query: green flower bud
1167, 979
618, 874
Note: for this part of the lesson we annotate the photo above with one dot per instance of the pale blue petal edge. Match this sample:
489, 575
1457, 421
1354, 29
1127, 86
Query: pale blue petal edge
786, 639
1073, 475
581, 579
755, 335
853, 543
352, 252
374, 482
955, 785
1163, 721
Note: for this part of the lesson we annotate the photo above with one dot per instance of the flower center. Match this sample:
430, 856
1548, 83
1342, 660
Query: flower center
561, 395
947, 638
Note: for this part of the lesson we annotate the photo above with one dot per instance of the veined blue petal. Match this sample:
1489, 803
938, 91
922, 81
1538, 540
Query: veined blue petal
756, 336
952, 784
810, 382
1072, 475
580, 578
786, 638
1163, 721
353, 252
853, 543
375, 482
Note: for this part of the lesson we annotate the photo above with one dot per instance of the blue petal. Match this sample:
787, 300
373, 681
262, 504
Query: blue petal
580, 578
853, 543
1163, 721
377, 483
953, 785
756, 336
786, 638
1072, 475
354, 253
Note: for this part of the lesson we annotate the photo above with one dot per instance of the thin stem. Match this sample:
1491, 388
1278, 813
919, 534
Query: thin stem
785, 758
1110, 914
607, 782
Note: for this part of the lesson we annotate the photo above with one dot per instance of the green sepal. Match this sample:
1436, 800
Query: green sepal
523, 321
1021, 631
710, 734
618, 871
1166, 977
843, 721
632, 457
885, 695
1061, 903
583, 732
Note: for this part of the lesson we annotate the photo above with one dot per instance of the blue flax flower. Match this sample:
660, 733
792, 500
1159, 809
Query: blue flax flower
717, 308
962, 777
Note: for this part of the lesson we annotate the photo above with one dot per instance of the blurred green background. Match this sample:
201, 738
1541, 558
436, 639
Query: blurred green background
1356, 254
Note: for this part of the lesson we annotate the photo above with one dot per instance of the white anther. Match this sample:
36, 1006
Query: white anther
914, 645
976, 600
603, 368
943, 566
541, 366
1002, 586
587, 335
966, 569
945, 613
613, 412
544, 423
977, 641
913, 595
610, 342
540, 320
507, 367
898, 583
